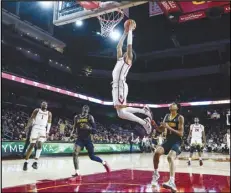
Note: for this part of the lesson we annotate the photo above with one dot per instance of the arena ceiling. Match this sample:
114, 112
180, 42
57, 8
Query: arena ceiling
155, 39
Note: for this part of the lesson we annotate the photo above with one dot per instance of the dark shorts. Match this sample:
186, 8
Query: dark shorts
168, 146
85, 143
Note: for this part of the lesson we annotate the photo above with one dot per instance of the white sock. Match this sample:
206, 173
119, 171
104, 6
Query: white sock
172, 179
77, 171
135, 110
103, 162
27, 161
200, 158
129, 39
124, 114
38, 153
156, 171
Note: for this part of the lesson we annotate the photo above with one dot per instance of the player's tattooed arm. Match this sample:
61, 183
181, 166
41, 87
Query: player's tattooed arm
93, 125
32, 118
49, 123
180, 130
129, 46
203, 135
120, 45
160, 128
49, 117
74, 125
190, 133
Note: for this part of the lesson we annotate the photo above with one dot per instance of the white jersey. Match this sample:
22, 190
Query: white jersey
120, 71
41, 118
197, 130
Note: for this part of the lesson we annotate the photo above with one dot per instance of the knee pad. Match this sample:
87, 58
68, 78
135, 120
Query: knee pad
199, 148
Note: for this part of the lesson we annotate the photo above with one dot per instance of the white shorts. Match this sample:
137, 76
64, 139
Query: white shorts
228, 145
196, 141
38, 133
120, 93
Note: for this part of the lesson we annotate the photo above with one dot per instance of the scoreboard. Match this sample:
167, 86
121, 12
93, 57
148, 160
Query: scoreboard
182, 11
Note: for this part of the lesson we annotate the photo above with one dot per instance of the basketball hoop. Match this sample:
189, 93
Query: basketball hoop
109, 20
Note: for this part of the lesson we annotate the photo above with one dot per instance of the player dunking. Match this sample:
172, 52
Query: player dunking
120, 87
196, 133
41, 124
84, 126
173, 126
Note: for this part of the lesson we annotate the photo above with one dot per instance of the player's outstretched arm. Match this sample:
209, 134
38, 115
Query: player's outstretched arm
49, 122
129, 44
120, 45
32, 118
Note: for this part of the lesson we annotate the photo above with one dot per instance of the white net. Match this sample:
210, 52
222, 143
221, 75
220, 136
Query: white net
108, 21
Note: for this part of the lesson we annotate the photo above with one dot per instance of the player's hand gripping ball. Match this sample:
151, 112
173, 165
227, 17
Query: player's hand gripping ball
129, 24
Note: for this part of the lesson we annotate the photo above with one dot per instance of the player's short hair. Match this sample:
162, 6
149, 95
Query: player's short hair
43, 102
175, 104
86, 107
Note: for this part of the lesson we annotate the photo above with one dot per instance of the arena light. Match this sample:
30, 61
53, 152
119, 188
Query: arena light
91, 99
46, 4
115, 35
79, 23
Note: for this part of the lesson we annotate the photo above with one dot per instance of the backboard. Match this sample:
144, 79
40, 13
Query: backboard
66, 12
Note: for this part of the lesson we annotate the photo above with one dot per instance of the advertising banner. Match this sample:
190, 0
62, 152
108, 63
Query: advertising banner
154, 9
192, 6
16, 147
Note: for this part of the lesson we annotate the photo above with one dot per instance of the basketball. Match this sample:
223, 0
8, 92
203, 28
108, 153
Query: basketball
128, 23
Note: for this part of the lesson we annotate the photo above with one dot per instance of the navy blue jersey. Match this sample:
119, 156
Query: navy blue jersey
84, 126
173, 122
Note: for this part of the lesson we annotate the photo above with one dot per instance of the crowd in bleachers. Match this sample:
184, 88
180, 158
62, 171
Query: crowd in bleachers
14, 122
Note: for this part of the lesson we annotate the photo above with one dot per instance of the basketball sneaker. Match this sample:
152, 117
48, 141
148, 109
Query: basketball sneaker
106, 166
35, 165
75, 175
201, 163
148, 125
170, 185
25, 166
155, 179
148, 112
